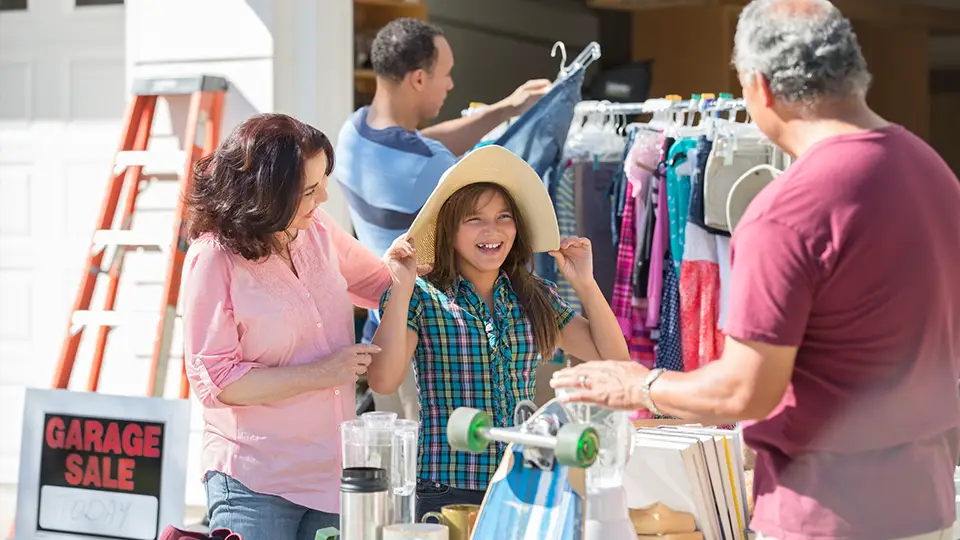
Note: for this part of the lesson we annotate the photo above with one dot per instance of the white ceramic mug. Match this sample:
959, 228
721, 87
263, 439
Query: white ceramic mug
416, 531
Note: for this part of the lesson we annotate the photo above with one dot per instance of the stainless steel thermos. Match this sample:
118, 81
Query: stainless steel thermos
364, 503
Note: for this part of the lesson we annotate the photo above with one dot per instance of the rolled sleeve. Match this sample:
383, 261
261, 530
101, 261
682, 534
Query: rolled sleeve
774, 278
366, 274
211, 340
561, 308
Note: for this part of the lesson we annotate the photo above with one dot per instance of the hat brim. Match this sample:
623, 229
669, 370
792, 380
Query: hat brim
496, 165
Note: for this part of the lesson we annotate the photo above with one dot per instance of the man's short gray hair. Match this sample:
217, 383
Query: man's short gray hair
806, 49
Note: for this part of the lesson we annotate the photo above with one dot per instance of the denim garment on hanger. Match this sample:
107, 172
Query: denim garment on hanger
704, 146
594, 205
539, 136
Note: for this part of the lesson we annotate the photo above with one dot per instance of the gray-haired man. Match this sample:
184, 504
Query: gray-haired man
843, 331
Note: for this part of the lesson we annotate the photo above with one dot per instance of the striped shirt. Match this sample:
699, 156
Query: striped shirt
467, 358
386, 176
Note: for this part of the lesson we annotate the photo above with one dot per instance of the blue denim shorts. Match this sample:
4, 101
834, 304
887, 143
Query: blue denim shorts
255, 516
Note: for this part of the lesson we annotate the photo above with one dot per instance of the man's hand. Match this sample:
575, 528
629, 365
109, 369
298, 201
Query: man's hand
614, 384
526, 95
462, 134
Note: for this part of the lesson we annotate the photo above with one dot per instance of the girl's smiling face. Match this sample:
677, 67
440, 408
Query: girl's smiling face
481, 233
485, 235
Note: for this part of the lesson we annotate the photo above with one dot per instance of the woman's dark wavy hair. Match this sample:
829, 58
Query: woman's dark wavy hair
250, 188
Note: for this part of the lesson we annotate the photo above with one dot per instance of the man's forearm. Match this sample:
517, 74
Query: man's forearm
461, 134
706, 395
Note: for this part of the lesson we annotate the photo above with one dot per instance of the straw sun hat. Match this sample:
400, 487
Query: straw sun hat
496, 165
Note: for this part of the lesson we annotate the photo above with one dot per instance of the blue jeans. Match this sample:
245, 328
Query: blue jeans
254, 516
594, 206
704, 146
539, 136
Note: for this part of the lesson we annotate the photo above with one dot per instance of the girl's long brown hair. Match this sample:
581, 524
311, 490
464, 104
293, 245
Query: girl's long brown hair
535, 302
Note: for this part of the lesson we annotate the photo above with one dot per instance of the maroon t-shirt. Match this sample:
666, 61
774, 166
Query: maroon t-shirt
853, 255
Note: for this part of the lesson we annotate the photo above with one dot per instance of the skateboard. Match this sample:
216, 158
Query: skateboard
539, 489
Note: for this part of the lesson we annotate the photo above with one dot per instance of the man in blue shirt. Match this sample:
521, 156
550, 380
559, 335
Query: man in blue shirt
387, 167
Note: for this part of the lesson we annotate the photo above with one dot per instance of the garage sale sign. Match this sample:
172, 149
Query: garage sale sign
99, 466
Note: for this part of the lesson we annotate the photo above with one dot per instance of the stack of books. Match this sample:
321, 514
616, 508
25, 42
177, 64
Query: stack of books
693, 471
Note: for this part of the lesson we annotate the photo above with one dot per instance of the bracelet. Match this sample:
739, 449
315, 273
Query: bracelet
645, 388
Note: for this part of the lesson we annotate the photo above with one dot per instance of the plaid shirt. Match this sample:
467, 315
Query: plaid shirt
466, 358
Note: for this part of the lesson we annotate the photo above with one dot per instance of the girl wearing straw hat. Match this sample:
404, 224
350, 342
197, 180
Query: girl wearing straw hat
478, 324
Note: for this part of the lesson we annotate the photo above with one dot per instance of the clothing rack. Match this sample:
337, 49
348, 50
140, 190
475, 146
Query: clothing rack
705, 103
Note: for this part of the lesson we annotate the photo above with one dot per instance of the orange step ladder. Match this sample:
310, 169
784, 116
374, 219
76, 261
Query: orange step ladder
113, 232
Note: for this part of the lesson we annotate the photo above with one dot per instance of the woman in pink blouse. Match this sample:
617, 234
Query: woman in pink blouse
269, 287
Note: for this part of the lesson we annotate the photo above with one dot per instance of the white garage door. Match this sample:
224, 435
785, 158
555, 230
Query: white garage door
61, 101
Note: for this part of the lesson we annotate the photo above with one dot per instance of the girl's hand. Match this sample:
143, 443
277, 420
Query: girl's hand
575, 260
401, 260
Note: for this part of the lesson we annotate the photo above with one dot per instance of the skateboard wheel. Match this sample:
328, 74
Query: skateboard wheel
577, 445
464, 430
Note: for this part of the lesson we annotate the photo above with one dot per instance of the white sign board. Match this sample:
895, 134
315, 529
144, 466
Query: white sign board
94, 466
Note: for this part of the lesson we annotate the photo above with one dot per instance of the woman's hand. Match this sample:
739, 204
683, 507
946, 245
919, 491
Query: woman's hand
575, 260
401, 260
345, 365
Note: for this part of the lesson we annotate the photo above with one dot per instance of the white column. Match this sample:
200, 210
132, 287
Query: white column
314, 72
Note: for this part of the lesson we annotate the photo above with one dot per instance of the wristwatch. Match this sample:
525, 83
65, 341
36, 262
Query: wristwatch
645, 388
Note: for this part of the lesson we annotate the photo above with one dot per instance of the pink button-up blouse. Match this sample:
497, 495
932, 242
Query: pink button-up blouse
241, 315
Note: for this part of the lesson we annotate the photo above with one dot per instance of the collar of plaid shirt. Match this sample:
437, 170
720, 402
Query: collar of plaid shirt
501, 287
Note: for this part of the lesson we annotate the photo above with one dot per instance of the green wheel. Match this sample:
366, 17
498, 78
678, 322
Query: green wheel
465, 430
577, 445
